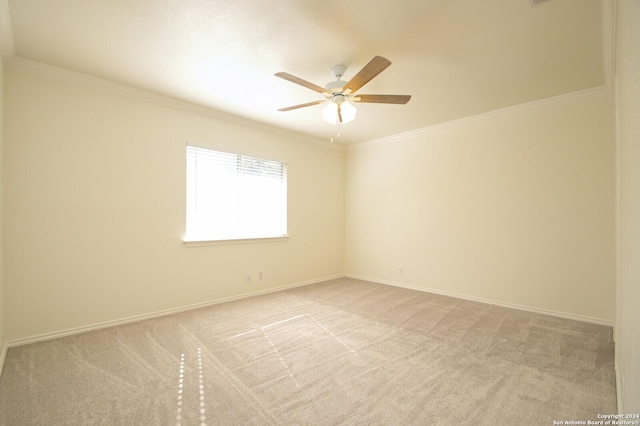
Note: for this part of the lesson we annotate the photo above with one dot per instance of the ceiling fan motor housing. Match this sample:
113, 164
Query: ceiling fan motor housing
337, 97
335, 86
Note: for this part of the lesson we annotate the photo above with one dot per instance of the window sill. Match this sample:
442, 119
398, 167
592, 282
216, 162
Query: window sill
199, 243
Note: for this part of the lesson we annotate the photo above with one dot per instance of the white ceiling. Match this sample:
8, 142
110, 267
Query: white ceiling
457, 58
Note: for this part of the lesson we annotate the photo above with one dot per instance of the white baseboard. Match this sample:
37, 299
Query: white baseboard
618, 390
106, 324
488, 301
3, 355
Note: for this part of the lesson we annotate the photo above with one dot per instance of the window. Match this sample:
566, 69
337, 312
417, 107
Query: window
231, 196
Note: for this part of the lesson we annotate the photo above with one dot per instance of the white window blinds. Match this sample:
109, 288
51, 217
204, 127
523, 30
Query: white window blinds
231, 196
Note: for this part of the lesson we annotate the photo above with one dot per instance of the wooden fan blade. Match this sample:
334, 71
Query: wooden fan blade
301, 82
301, 105
382, 99
372, 69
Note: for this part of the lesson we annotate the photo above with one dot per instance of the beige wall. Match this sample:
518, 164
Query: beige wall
95, 208
2, 302
628, 131
515, 207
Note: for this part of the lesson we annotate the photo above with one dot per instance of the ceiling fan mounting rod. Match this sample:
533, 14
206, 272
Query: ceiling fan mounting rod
338, 70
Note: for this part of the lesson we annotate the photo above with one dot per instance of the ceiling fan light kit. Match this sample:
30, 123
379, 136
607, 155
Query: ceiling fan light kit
339, 94
338, 112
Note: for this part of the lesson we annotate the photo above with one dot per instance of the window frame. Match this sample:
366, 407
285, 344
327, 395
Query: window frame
194, 240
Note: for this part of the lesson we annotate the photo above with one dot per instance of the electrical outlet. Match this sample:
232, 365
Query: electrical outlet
247, 277
400, 270
260, 275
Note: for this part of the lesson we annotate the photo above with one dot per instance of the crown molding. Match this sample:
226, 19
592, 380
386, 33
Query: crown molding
109, 86
608, 29
7, 48
556, 100
10, 59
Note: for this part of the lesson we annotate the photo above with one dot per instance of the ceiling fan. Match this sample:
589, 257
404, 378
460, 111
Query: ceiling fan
339, 94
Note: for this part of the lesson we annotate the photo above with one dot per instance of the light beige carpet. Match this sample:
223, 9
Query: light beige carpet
336, 353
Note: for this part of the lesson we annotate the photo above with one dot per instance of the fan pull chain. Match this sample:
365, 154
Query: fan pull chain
337, 135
